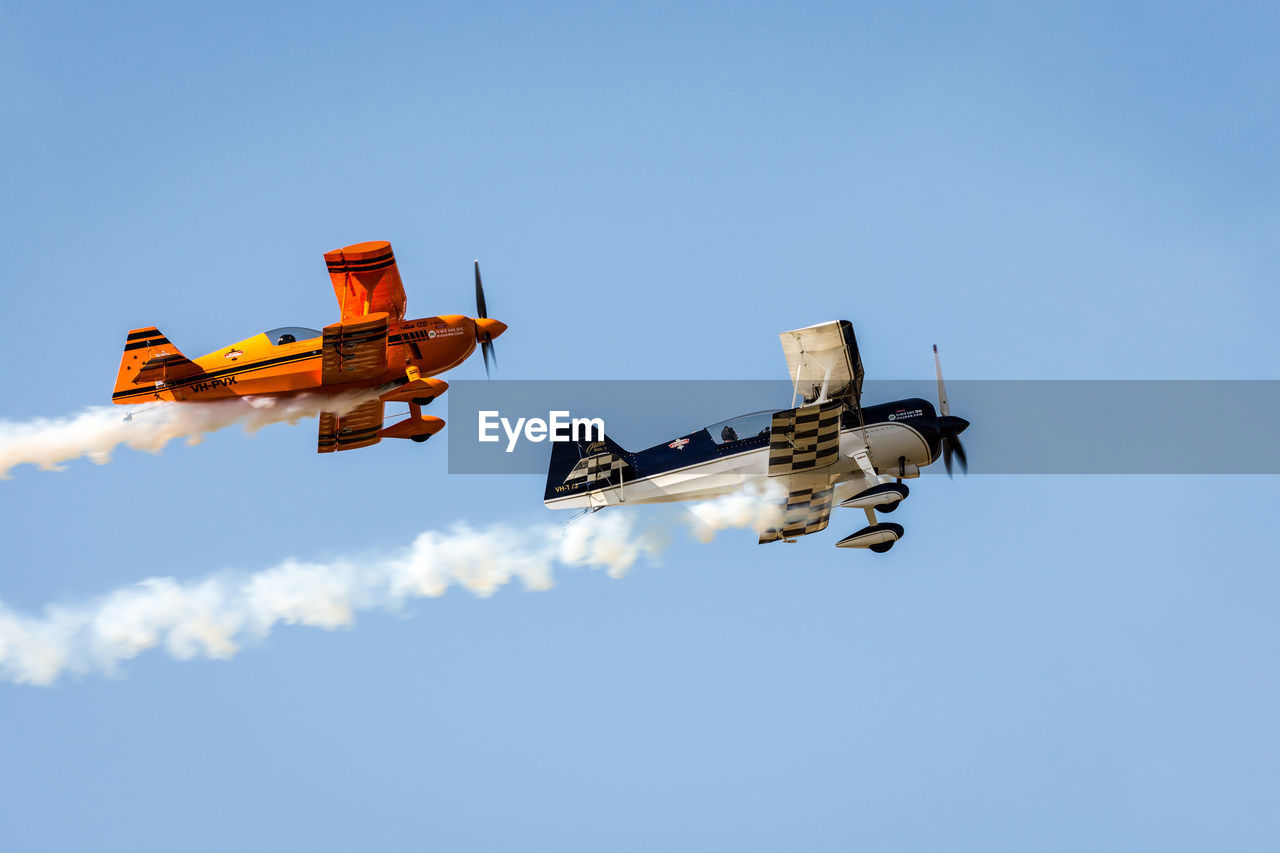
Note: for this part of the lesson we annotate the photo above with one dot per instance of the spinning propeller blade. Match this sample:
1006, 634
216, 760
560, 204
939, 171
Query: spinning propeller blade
951, 427
959, 451
481, 311
944, 408
483, 335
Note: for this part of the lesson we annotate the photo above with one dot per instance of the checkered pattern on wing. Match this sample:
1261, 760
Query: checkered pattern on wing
807, 511
804, 439
601, 466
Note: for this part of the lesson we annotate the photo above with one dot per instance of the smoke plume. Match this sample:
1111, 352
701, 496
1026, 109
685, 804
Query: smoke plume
757, 506
96, 432
215, 616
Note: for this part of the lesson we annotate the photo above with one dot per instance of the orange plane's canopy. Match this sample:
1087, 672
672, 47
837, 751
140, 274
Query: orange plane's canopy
366, 280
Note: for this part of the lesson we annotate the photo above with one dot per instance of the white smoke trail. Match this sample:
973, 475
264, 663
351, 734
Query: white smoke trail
97, 431
213, 617
757, 506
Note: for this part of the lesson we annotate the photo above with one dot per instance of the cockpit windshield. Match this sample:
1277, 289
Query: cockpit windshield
290, 334
754, 425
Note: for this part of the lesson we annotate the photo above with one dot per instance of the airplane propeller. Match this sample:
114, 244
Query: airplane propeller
484, 335
949, 425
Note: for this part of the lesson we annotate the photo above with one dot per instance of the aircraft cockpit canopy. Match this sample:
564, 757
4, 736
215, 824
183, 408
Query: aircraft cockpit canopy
742, 427
290, 334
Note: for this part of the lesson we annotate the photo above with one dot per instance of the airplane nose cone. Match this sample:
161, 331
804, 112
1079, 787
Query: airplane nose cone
950, 424
490, 326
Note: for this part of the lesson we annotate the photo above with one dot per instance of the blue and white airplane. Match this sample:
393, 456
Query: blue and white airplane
829, 450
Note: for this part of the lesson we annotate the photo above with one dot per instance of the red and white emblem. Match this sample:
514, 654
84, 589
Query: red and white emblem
233, 354
678, 444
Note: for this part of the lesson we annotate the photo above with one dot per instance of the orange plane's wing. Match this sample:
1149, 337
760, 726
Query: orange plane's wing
354, 350
366, 280
360, 427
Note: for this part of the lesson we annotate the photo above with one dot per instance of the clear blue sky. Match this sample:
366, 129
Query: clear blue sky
1049, 663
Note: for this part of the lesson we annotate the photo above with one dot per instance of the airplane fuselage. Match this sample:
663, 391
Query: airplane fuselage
900, 437
259, 366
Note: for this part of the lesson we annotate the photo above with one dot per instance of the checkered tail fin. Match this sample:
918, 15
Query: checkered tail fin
588, 465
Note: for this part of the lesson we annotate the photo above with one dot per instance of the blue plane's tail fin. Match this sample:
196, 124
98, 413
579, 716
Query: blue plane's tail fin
578, 467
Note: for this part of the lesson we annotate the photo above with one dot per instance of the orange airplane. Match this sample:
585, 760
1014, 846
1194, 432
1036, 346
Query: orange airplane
371, 348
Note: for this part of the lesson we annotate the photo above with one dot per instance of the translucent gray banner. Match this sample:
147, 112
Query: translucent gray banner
1017, 426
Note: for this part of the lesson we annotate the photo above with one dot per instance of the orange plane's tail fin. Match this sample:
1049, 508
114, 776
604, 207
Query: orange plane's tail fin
149, 361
